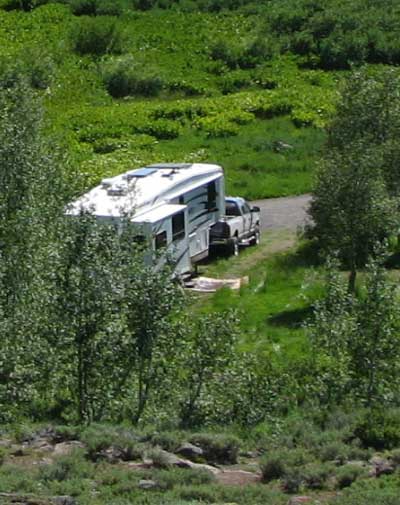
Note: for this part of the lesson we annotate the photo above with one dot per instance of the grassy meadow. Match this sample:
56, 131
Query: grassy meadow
172, 94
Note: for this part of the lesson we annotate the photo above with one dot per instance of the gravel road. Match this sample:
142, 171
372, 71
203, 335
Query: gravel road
288, 212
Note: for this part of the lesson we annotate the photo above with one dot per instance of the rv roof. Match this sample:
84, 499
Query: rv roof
145, 188
159, 213
171, 166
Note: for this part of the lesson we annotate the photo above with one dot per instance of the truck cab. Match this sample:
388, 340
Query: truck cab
240, 226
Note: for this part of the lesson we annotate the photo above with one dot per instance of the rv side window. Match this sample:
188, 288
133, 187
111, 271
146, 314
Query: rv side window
161, 240
178, 226
211, 196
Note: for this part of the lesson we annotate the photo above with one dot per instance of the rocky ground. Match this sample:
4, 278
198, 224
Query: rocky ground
45, 448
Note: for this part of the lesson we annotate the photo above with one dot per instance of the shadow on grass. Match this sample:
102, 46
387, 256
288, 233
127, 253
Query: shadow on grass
291, 318
306, 255
393, 262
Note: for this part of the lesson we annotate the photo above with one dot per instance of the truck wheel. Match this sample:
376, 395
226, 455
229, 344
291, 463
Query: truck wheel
255, 240
232, 247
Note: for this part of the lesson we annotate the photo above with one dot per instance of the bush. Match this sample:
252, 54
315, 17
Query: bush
97, 36
379, 429
273, 466
169, 441
334, 451
121, 79
66, 467
96, 7
316, 475
347, 474
222, 449
159, 457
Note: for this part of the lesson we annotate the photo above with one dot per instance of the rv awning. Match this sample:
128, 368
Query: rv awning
158, 214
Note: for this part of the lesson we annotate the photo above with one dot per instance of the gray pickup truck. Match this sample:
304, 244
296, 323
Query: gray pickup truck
240, 226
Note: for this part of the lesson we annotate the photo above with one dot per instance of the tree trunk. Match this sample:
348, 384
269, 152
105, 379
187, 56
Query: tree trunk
352, 279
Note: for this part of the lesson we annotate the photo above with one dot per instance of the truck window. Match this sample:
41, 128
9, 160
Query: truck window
178, 226
161, 240
211, 196
245, 208
231, 209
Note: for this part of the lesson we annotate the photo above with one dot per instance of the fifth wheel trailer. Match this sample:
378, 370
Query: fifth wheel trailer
173, 205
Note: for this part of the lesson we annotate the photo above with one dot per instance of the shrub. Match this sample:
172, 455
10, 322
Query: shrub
63, 433
292, 480
273, 466
334, 451
159, 457
96, 7
97, 36
84, 7
3, 454
169, 441
161, 129
395, 456
121, 78
96, 439
66, 467
347, 474
223, 449
316, 475
379, 429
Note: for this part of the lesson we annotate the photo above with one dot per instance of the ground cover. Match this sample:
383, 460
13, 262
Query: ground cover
284, 282
170, 94
318, 458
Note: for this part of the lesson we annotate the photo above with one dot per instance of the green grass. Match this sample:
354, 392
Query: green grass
202, 109
273, 307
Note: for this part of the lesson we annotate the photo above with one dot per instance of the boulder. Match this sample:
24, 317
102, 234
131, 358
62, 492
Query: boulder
381, 466
190, 451
298, 500
63, 500
65, 448
147, 484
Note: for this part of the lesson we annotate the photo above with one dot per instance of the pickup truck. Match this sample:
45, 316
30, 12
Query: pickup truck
238, 227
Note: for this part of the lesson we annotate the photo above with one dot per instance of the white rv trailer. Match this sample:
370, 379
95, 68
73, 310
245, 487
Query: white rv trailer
172, 204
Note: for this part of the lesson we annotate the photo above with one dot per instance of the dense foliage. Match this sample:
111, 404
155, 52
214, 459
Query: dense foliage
355, 201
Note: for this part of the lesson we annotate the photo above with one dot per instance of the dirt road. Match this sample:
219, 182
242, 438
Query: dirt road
283, 213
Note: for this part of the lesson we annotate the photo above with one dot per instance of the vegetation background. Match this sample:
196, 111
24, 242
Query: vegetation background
107, 353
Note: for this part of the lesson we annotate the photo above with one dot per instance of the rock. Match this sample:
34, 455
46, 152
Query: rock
249, 454
5, 442
199, 466
17, 451
190, 451
357, 462
298, 500
65, 448
381, 466
63, 500
237, 477
20, 499
41, 444
147, 484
